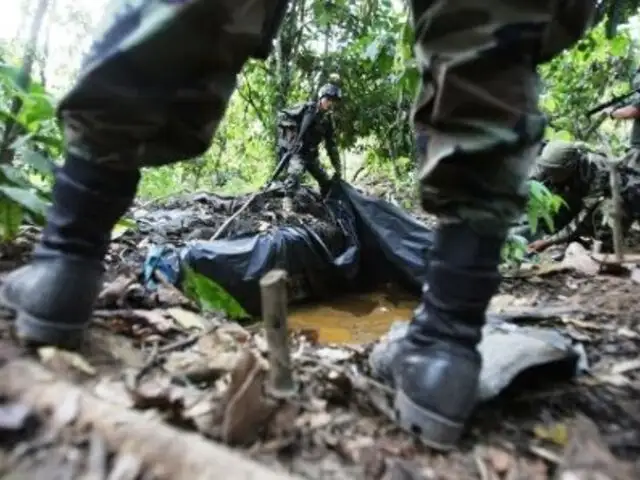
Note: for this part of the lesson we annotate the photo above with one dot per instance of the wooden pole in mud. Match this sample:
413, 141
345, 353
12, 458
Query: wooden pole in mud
616, 200
273, 291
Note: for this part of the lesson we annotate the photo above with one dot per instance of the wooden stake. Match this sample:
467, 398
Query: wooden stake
273, 290
616, 199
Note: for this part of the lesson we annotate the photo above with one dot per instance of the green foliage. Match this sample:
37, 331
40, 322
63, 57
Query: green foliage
514, 250
210, 296
541, 205
594, 70
25, 169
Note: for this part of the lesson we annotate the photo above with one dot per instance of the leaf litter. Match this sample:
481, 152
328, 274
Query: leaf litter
202, 374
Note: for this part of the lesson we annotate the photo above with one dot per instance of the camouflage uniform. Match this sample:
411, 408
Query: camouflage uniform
581, 178
306, 157
156, 85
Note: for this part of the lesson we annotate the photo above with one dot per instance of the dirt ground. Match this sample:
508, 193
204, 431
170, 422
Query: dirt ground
162, 384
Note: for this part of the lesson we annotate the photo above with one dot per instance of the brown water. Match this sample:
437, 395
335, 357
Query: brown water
355, 318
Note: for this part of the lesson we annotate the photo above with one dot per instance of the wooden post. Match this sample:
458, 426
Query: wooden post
273, 291
616, 199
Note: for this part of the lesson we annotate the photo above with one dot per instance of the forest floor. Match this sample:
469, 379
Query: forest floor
158, 385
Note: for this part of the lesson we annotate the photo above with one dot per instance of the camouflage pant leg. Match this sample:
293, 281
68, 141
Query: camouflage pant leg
158, 77
319, 174
421, 144
295, 171
632, 159
478, 100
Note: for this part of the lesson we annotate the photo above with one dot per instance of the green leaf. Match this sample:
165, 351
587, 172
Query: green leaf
38, 161
562, 135
123, 226
11, 216
210, 296
27, 199
618, 46
373, 50
15, 176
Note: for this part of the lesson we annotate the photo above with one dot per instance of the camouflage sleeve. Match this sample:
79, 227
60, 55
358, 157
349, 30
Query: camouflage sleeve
331, 146
579, 223
186, 56
590, 172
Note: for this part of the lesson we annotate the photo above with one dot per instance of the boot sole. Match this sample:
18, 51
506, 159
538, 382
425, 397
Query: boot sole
32, 330
434, 430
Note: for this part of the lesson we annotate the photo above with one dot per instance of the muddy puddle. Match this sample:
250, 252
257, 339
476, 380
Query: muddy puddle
353, 319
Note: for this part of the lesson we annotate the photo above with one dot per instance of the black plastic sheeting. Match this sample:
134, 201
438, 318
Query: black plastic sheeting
382, 244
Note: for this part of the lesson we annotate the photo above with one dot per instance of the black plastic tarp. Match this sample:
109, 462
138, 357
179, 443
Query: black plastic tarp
381, 243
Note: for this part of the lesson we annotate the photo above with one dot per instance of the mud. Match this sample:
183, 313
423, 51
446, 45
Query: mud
354, 319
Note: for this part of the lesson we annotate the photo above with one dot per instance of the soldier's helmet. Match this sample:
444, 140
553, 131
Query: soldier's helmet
558, 158
331, 91
559, 154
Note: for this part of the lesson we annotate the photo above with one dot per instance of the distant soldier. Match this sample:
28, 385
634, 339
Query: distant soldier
581, 178
300, 130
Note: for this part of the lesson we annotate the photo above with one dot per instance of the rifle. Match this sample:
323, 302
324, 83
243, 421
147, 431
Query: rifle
612, 102
297, 145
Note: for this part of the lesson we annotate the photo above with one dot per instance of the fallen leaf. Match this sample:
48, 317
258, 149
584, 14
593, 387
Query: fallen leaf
114, 392
587, 455
14, 416
67, 410
627, 333
55, 357
228, 338
626, 366
615, 380
577, 258
115, 291
314, 421
556, 433
245, 407
334, 355
156, 318
169, 296
400, 469
186, 319
352, 448
97, 458
500, 460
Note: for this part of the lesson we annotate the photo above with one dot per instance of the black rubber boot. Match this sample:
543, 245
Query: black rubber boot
53, 296
434, 364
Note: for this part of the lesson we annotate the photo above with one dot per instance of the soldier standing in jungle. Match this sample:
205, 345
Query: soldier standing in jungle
300, 131
631, 112
154, 88
581, 178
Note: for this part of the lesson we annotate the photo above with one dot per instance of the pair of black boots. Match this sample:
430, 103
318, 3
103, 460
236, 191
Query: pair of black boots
435, 366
